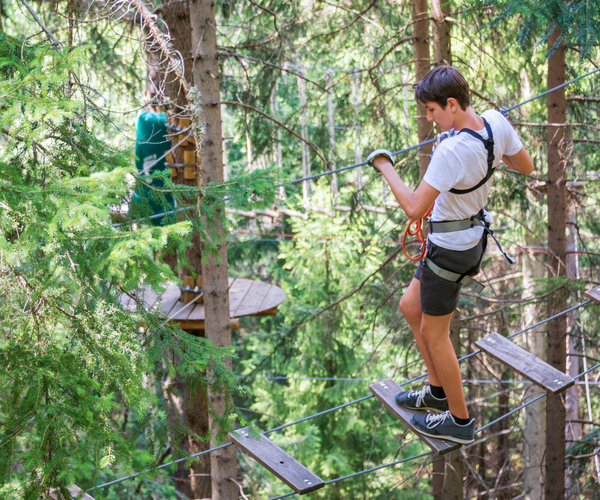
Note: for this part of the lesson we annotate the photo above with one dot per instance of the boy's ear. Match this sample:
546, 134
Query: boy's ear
452, 103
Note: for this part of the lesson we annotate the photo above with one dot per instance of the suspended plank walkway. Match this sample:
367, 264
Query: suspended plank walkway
277, 461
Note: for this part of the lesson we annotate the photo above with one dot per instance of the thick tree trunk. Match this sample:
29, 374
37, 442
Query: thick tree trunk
420, 17
554, 486
442, 52
195, 482
214, 271
448, 472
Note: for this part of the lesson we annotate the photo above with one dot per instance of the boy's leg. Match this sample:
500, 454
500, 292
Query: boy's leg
410, 306
436, 337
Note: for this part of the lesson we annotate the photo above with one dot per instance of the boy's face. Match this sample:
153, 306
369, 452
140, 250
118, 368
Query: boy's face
442, 117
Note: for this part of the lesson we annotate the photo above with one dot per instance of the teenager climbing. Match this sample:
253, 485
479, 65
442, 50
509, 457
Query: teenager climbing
458, 181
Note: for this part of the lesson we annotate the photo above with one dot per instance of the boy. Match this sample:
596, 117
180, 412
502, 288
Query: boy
458, 180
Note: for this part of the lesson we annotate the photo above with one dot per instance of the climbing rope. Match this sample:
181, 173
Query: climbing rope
329, 410
418, 233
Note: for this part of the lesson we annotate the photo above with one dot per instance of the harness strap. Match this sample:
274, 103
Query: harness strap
454, 277
489, 146
477, 220
455, 225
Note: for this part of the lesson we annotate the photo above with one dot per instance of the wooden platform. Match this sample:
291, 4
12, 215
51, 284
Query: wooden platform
277, 461
594, 294
246, 298
525, 363
75, 492
386, 391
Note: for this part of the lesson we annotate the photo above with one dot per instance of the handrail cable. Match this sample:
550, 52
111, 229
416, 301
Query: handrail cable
356, 165
506, 415
324, 412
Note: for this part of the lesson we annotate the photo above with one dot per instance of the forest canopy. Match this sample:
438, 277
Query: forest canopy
97, 382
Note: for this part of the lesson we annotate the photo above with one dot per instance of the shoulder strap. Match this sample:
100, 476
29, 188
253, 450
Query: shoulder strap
489, 146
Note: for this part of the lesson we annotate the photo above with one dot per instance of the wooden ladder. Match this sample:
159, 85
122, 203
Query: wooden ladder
277, 461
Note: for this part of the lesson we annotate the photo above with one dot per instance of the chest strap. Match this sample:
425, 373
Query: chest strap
489, 146
455, 277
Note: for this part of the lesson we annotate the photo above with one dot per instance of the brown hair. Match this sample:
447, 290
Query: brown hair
440, 84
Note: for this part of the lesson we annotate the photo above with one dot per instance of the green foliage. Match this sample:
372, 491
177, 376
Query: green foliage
73, 354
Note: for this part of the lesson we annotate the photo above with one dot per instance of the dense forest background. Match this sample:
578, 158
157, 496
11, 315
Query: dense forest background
307, 86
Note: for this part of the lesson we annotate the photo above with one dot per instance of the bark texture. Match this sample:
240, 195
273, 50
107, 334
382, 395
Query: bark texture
573, 428
534, 269
554, 486
420, 17
442, 51
195, 482
452, 487
214, 271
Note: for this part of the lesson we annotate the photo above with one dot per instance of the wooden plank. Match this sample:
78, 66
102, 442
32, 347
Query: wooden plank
199, 324
525, 363
169, 299
149, 297
277, 461
254, 298
196, 313
386, 391
274, 298
594, 294
237, 292
266, 312
75, 492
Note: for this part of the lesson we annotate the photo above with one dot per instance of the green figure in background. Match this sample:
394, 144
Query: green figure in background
152, 142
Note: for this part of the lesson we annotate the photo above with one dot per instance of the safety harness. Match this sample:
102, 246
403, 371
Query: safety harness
477, 220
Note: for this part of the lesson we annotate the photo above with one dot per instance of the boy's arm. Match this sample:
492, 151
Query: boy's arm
414, 204
521, 162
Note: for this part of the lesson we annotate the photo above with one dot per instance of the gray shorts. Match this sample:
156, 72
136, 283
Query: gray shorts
438, 295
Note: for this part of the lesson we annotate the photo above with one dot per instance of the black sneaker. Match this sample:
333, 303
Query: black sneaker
443, 426
421, 400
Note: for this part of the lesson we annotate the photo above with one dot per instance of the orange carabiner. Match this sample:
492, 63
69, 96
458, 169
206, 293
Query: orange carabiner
418, 232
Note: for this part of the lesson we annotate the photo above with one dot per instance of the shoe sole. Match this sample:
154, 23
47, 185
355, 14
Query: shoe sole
447, 438
421, 408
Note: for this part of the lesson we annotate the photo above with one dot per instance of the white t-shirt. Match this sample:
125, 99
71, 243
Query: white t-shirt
460, 162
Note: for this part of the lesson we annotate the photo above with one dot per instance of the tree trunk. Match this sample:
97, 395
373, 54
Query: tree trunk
331, 129
214, 270
573, 428
420, 17
442, 52
195, 482
306, 185
534, 427
554, 486
448, 485
454, 467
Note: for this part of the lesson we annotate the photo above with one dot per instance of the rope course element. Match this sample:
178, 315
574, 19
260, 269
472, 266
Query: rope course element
306, 178
350, 403
408, 459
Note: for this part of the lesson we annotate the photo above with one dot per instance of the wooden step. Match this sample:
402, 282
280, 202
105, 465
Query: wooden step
277, 461
525, 363
386, 391
594, 294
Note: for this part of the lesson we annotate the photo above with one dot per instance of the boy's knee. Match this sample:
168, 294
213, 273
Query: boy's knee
409, 308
